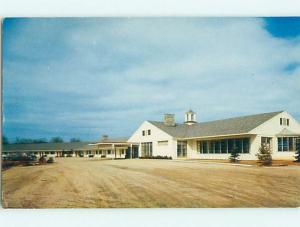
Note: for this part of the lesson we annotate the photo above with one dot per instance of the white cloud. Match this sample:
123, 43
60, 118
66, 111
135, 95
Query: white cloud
114, 73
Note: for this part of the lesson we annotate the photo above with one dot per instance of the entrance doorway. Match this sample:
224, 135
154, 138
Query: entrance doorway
181, 149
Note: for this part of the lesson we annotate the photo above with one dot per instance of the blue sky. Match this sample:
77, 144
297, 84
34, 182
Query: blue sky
92, 76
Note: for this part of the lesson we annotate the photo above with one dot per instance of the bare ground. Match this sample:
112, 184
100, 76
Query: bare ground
80, 182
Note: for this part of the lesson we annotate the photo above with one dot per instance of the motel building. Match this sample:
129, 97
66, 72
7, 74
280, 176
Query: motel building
216, 139
187, 140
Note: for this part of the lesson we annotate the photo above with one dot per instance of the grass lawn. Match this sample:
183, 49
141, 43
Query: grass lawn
81, 182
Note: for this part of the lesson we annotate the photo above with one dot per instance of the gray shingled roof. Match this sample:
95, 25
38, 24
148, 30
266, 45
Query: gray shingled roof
228, 126
113, 140
46, 146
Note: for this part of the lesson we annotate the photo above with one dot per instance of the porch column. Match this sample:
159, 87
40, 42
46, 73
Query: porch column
131, 150
114, 149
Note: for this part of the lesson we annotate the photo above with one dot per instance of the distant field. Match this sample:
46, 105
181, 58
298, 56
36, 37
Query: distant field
80, 182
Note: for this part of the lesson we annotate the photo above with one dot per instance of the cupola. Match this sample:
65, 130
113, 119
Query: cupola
190, 117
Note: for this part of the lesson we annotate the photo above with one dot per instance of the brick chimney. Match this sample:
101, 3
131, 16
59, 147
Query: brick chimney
169, 119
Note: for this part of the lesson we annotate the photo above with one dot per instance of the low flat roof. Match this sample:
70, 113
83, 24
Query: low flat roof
47, 146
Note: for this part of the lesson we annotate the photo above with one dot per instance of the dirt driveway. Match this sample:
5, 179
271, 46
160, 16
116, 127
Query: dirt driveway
80, 182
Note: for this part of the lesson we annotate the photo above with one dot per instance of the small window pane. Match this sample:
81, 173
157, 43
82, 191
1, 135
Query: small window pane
285, 144
223, 146
246, 145
230, 145
218, 147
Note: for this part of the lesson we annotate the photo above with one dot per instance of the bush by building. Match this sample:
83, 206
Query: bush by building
265, 155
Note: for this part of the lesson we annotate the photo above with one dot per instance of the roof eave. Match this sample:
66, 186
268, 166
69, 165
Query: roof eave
214, 136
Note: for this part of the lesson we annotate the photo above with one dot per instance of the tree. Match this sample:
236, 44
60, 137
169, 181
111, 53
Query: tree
41, 140
27, 141
265, 154
297, 156
75, 140
56, 139
5, 140
234, 155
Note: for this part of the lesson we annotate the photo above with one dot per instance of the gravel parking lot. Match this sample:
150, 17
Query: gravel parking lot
81, 182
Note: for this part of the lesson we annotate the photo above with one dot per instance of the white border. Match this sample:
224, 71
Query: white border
149, 217
28, 8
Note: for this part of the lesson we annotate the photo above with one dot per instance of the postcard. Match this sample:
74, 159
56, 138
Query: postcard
154, 112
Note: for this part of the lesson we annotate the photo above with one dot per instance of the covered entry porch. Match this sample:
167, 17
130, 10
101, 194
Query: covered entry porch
116, 150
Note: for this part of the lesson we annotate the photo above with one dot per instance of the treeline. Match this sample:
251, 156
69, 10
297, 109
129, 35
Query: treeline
18, 140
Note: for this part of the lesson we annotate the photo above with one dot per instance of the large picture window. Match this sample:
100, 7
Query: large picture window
146, 149
286, 144
223, 146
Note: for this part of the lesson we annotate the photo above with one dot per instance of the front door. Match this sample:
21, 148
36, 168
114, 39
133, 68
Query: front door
181, 149
135, 151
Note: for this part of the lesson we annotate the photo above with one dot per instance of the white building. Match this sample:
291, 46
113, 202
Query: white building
215, 139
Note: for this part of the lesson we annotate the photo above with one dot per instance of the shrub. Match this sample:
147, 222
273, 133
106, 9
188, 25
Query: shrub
234, 155
265, 155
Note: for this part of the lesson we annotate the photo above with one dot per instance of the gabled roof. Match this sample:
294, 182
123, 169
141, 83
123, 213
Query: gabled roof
230, 126
47, 146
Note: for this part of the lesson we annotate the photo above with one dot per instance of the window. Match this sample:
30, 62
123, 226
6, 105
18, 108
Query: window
291, 144
279, 140
146, 149
146, 132
204, 147
239, 145
108, 151
223, 146
181, 148
52, 152
217, 147
211, 146
246, 145
230, 145
266, 141
285, 121
287, 144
